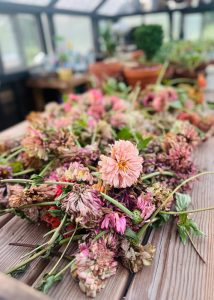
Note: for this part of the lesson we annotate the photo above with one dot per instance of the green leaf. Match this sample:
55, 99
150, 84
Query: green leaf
47, 283
176, 104
143, 143
55, 212
131, 234
195, 228
124, 134
20, 271
161, 220
37, 178
182, 231
17, 166
182, 201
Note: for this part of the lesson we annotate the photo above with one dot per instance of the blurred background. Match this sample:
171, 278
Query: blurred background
52, 47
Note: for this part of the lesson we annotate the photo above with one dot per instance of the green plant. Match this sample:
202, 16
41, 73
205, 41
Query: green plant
149, 38
108, 41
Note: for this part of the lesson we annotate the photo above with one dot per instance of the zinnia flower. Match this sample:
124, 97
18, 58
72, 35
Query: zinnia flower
83, 204
124, 166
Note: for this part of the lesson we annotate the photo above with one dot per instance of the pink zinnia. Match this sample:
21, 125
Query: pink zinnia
144, 203
124, 166
113, 220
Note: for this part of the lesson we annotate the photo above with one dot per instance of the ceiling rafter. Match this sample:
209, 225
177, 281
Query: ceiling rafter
98, 6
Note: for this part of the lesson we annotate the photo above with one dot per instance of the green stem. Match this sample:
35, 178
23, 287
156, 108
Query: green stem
24, 262
166, 173
49, 244
14, 154
23, 172
186, 211
30, 181
181, 80
162, 72
63, 253
46, 168
11, 210
118, 204
75, 238
65, 268
144, 228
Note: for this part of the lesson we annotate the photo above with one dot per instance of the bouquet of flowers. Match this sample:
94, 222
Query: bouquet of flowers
100, 171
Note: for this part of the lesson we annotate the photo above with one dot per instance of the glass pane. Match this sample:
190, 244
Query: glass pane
8, 47
30, 38
112, 7
208, 25
160, 19
30, 2
193, 26
176, 19
75, 31
83, 5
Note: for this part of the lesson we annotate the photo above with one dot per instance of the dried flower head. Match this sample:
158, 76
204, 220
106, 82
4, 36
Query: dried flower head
124, 166
134, 257
145, 204
16, 196
114, 220
93, 265
5, 172
77, 172
83, 204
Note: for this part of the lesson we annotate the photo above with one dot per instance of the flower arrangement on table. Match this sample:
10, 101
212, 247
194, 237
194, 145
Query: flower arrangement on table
101, 170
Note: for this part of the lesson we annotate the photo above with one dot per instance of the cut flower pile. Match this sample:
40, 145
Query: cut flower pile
99, 171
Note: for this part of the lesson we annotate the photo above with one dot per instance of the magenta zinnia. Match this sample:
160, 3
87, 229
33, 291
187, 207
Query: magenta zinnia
124, 166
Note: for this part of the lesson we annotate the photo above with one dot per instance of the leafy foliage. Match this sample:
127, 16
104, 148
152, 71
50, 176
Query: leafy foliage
185, 225
149, 38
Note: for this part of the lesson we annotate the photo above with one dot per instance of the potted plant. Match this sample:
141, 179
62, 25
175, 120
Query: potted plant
148, 38
109, 67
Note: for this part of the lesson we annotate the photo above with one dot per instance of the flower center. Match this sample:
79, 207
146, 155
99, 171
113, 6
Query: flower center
122, 165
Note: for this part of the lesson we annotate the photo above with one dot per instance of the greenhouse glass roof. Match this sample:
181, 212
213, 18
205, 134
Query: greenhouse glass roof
108, 8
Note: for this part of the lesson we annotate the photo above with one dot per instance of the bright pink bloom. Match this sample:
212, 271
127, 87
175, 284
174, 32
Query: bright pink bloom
144, 203
124, 166
113, 220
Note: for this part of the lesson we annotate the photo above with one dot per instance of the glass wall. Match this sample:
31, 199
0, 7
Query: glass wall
10, 53
76, 32
30, 38
193, 26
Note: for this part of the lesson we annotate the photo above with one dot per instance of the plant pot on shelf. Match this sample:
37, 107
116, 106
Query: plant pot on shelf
65, 74
182, 72
102, 70
144, 75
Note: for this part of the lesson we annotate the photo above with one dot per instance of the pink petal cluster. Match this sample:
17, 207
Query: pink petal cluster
77, 172
113, 220
124, 166
144, 203
160, 99
93, 265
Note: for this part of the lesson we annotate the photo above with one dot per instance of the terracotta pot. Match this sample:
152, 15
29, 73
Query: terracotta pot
102, 70
142, 74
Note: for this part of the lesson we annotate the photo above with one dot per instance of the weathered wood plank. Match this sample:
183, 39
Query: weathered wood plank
18, 230
14, 132
177, 272
12, 289
69, 289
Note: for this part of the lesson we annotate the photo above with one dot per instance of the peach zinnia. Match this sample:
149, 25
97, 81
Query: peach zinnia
124, 166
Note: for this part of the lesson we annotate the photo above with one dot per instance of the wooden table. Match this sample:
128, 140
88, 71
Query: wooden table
177, 273
39, 83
